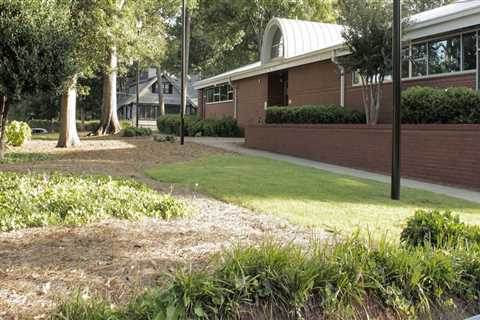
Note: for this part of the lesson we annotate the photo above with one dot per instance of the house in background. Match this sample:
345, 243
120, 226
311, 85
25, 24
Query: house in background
149, 108
298, 65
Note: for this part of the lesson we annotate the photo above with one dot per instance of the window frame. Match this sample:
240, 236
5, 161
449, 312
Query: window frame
216, 96
426, 42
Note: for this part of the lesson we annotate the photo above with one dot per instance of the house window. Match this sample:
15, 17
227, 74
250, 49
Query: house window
444, 56
221, 93
277, 45
469, 43
419, 60
155, 87
405, 62
167, 88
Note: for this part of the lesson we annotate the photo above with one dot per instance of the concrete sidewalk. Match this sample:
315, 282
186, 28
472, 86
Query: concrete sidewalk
237, 145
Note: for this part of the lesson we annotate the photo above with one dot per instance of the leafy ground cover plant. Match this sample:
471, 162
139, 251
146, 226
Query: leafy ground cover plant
349, 278
35, 200
17, 133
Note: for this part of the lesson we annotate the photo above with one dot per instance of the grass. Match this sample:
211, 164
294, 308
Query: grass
46, 137
19, 157
308, 196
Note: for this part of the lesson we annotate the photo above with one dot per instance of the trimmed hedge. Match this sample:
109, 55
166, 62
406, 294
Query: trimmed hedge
423, 105
440, 230
194, 126
136, 132
328, 114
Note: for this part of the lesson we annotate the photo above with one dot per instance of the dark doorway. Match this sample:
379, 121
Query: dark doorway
278, 88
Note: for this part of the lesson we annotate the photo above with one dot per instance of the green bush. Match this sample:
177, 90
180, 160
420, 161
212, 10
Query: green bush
34, 200
17, 133
124, 124
344, 279
424, 105
194, 126
136, 132
438, 230
328, 114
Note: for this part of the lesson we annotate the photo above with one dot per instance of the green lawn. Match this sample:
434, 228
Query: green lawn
47, 136
18, 157
306, 195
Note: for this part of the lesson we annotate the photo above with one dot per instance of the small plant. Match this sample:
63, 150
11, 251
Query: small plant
17, 133
438, 230
327, 114
136, 132
168, 138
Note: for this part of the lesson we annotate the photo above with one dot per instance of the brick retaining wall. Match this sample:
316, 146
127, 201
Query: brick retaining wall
447, 154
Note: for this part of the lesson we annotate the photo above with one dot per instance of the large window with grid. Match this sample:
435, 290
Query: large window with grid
218, 94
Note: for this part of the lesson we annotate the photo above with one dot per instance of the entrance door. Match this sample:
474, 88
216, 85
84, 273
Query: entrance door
278, 88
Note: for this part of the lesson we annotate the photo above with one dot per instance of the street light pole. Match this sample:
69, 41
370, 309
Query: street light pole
138, 94
184, 72
397, 92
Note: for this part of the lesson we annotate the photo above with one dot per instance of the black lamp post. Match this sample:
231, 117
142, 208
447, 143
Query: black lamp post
137, 104
397, 92
184, 72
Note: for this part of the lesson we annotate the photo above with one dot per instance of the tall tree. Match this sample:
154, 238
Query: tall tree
368, 36
417, 6
35, 52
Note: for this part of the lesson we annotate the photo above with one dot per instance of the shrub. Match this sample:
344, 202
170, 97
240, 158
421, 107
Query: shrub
423, 105
36, 200
438, 229
136, 132
125, 124
328, 114
17, 133
194, 126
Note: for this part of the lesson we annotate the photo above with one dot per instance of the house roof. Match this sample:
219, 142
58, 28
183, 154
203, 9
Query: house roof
306, 42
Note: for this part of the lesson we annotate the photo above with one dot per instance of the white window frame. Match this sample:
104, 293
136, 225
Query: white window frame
216, 93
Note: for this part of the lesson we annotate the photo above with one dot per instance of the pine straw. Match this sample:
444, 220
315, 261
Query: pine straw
116, 259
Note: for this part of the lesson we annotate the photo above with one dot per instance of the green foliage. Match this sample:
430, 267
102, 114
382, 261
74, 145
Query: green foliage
313, 114
19, 157
417, 6
17, 133
438, 230
433, 105
194, 126
124, 124
36, 200
136, 132
79, 308
342, 279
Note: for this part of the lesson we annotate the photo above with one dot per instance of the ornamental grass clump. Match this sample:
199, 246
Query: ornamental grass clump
35, 200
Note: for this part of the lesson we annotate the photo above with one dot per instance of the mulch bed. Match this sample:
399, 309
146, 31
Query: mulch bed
115, 258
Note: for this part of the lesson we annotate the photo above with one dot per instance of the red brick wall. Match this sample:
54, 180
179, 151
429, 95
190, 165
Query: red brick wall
447, 154
201, 106
219, 110
315, 83
252, 93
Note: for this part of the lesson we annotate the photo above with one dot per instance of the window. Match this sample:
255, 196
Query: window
444, 56
167, 88
277, 45
419, 60
469, 51
155, 87
219, 93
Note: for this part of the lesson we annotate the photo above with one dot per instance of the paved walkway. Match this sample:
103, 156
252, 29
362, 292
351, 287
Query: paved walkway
237, 145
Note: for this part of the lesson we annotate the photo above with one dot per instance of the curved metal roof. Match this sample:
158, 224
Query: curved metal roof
301, 37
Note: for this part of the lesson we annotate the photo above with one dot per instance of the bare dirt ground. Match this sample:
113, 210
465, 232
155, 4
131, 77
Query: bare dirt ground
114, 258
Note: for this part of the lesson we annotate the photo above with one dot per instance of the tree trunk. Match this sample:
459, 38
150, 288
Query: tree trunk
68, 126
109, 123
161, 98
5, 106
